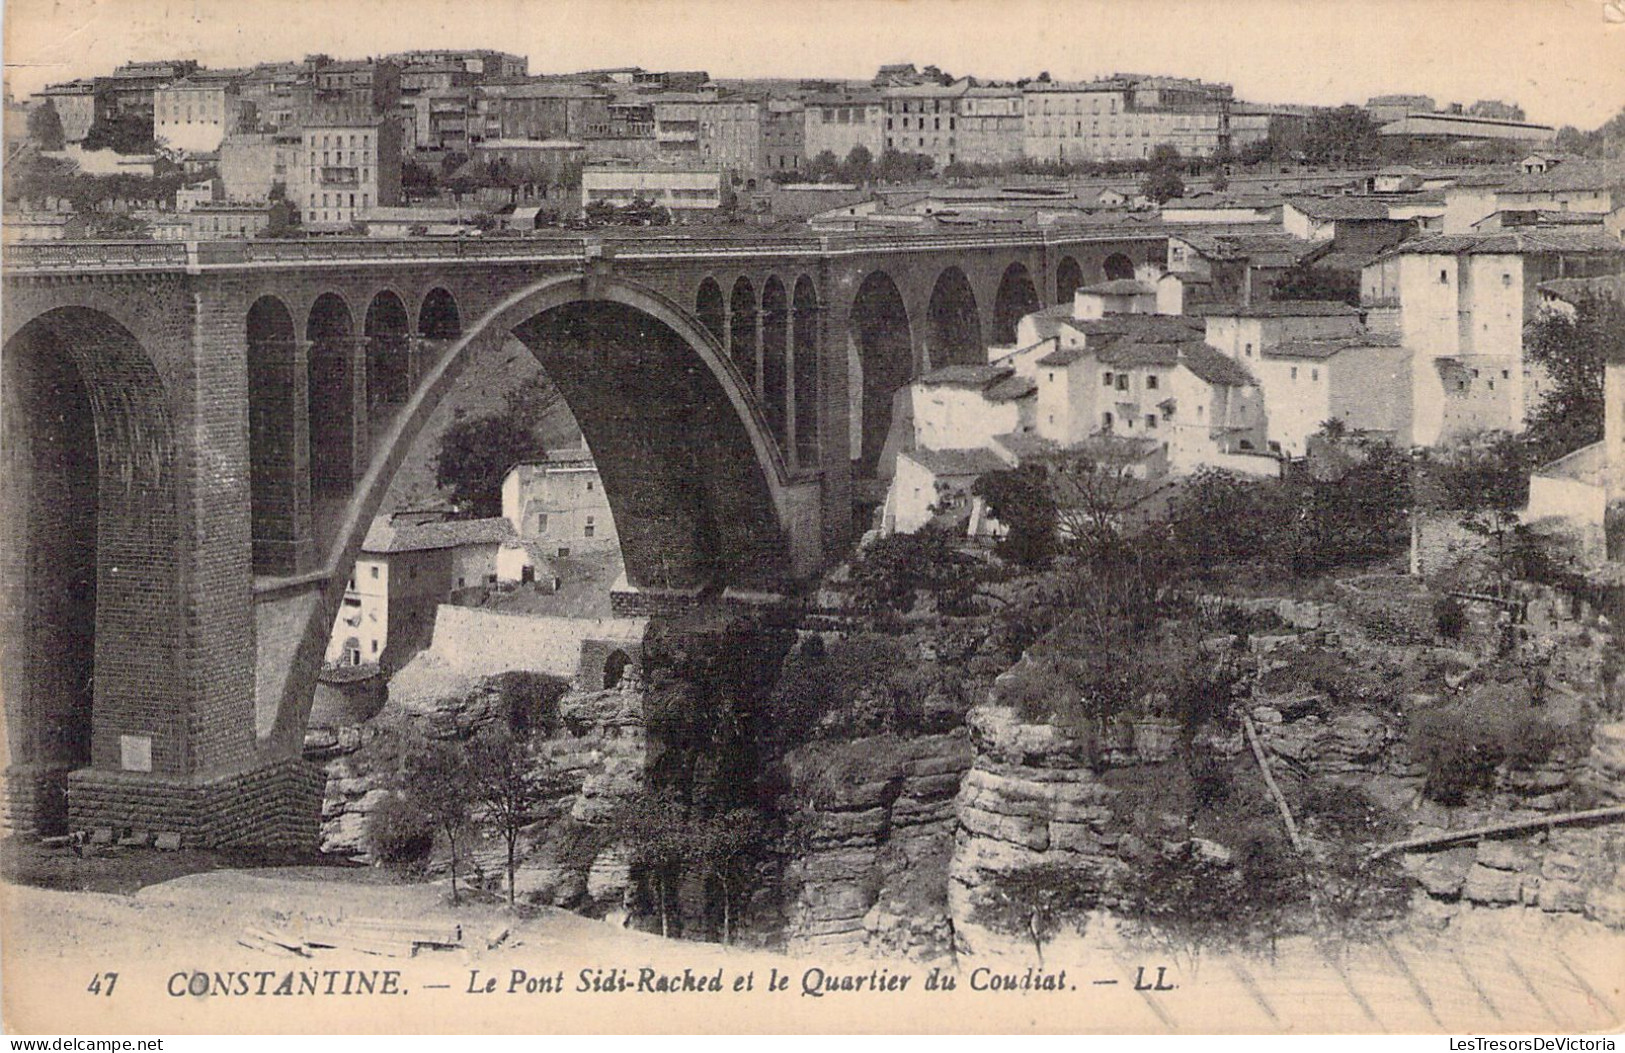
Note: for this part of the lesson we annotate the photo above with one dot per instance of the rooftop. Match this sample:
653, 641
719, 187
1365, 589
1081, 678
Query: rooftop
385, 536
1348, 207
966, 376
955, 462
1510, 242
1571, 175
1324, 349
1285, 309
1119, 287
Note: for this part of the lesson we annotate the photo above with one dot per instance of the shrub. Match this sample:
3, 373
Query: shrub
1462, 745
1449, 617
399, 835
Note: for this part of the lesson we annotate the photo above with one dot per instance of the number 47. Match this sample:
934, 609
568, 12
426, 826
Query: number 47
97, 984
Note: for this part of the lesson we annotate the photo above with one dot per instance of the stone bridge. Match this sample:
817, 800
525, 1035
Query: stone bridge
198, 434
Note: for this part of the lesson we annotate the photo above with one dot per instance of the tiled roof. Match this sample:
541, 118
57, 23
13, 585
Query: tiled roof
1334, 208
386, 536
1286, 309
1064, 356
966, 376
1214, 367
1324, 349
1012, 388
1584, 239
1570, 175
1119, 287
956, 462
1607, 286
1149, 328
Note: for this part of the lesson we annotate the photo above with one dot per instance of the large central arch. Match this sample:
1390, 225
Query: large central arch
699, 490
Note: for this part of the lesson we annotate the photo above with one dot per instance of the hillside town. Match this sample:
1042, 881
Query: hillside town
1263, 584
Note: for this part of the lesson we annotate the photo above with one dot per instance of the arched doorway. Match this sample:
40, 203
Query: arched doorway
710, 310
1017, 297
337, 427
805, 304
953, 323
882, 360
742, 330
775, 350
1117, 266
1068, 279
279, 494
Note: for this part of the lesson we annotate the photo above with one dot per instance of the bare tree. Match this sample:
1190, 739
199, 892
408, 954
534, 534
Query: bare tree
436, 785
511, 786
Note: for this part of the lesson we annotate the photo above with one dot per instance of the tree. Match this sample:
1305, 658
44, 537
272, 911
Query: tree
124, 133
1574, 351
654, 827
1020, 499
1035, 901
722, 847
1165, 155
418, 180
477, 452
889, 574
45, 127
1340, 136
824, 167
1305, 281
859, 166
512, 787
1093, 492
435, 783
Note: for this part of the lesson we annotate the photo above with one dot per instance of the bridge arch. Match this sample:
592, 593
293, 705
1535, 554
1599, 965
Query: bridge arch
742, 330
804, 304
91, 499
710, 309
1016, 298
698, 489
1068, 279
336, 391
1116, 266
278, 450
388, 330
953, 332
880, 361
438, 315
775, 353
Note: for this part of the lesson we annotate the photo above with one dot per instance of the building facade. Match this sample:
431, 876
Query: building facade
346, 168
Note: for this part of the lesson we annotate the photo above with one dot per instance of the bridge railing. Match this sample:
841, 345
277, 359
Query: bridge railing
70, 256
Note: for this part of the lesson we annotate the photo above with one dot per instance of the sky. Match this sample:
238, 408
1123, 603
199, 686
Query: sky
1562, 60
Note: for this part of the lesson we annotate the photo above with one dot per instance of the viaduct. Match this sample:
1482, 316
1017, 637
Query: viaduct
197, 435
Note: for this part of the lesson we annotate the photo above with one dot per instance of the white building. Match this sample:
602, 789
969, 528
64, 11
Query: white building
677, 188
560, 504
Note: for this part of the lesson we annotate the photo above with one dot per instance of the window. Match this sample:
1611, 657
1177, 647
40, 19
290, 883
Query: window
1122, 382
1294, 372
1106, 421
1505, 375
374, 646
1249, 350
564, 550
1444, 277
1105, 380
1506, 280
1150, 420
1151, 382
587, 530
1314, 374
375, 572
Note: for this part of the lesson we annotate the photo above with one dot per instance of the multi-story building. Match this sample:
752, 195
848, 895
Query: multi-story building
560, 503
131, 85
1460, 303
194, 114
1124, 118
731, 133
404, 571
1385, 109
345, 168
272, 88
924, 119
838, 123
251, 166
544, 110
990, 122
78, 104
784, 135
483, 64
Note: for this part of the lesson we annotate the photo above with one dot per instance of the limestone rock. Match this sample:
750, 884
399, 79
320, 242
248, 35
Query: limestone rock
1484, 885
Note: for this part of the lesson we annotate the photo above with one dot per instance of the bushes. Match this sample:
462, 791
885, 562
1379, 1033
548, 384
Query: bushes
398, 834
1462, 746
1449, 617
